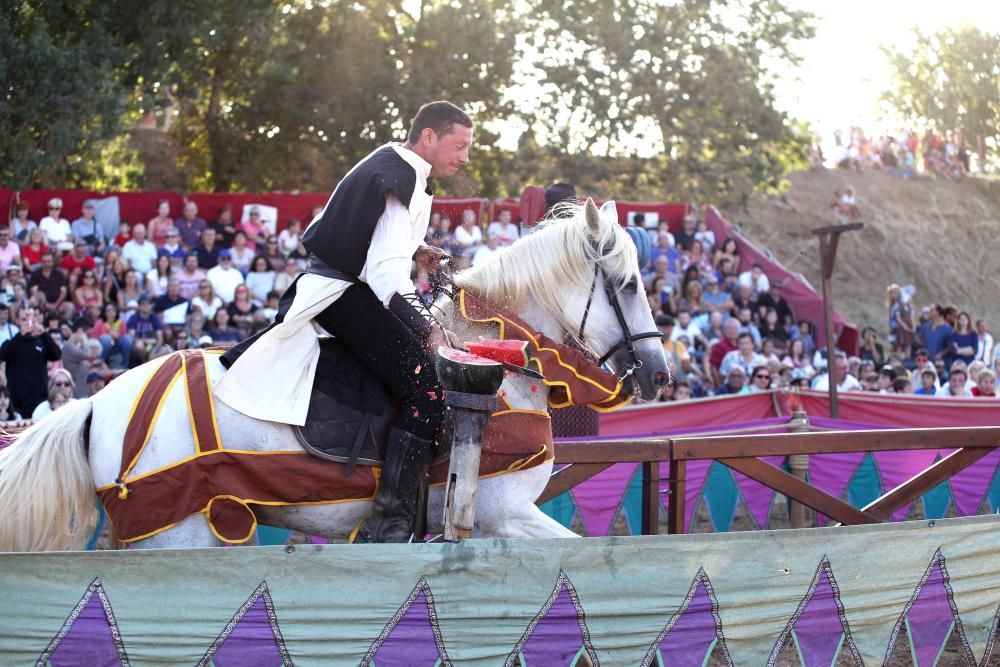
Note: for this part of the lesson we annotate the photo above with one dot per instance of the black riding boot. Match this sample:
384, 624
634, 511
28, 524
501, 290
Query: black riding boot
395, 502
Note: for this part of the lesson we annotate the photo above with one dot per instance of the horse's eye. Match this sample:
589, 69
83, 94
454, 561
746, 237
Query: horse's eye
631, 286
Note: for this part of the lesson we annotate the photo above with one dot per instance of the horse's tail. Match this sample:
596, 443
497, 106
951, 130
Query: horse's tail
46, 487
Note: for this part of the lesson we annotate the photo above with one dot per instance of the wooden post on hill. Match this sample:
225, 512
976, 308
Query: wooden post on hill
829, 238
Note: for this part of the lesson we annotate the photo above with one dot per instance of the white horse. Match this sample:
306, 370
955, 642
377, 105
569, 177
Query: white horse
48, 476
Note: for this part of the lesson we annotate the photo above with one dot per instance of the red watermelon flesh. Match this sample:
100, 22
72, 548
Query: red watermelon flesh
513, 352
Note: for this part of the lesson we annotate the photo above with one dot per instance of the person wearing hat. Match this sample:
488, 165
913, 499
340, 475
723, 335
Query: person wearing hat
205, 341
357, 287
145, 329
57, 230
225, 277
87, 229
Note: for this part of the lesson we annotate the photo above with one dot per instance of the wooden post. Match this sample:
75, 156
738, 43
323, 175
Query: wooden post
799, 465
470, 413
650, 498
829, 238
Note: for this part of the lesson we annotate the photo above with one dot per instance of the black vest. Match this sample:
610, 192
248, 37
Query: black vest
341, 237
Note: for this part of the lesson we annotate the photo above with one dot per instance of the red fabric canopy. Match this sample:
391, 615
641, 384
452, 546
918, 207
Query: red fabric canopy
672, 213
658, 417
7, 197
532, 205
454, 208
509, 204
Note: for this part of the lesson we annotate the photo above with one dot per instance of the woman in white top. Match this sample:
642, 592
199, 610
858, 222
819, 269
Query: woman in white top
206, 301
260, 280
57, 230
60, 393
289, 239
159, 277
241, 253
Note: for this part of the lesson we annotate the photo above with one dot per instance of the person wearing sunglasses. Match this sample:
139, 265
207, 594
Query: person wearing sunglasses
61, 387
760, 379
57, 230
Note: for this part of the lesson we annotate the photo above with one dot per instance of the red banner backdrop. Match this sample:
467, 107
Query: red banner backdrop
658, 417
672, 213
454, 208
7, 198
509, 204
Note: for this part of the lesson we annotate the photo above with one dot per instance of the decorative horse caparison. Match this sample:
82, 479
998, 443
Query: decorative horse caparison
48, 476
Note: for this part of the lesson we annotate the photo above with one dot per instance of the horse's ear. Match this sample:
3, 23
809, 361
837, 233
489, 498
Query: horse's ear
593, 217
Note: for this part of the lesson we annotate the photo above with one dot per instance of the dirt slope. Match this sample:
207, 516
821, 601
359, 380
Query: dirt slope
942, 237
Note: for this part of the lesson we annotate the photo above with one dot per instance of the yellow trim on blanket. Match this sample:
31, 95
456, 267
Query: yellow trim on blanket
516, 466
552, 383
152, 422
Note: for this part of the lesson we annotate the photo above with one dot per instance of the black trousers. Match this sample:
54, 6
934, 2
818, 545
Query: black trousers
393, 353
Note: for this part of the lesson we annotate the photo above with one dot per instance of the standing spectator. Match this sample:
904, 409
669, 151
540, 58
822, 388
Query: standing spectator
50, 282
224, 226
224, 277
190, 225
934, 335
57, 230
255, 229
20, 225
10, 252
505, 231
468, 235
190, 277
260, 280
290, 238
157, 227
27, 356
871, 349
112, 333
964, 341
241, 253
145, 329
172, 248
985, 351
207, 251
986, 384
76, 356
86, 229
901, 329
32, 251
140, 253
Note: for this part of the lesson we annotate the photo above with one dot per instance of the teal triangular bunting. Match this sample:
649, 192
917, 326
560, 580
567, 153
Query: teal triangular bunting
632, 504
721, 496
937, 500
269, 535
560, 508
865, 485
994, 493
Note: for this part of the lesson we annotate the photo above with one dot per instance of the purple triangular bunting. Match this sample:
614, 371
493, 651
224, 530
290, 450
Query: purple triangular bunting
693, 631
832, 473
930, 617
557, 633
757, 496
89, 636
894, 469
412, 636
599, 498
969, 486
252, 638
819, 625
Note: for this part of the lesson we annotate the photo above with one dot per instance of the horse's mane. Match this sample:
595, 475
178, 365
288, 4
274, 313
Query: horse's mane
551, 263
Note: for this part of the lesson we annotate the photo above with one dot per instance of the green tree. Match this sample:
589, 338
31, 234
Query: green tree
685, 86
950, 80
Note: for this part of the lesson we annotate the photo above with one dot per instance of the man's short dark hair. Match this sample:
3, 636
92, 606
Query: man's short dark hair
664, 321
745, 335
439, 116
928, 373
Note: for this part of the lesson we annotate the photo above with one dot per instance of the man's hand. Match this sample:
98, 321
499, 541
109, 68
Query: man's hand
440, 336
429, 258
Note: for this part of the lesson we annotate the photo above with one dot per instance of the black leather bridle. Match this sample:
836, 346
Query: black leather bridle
628, 338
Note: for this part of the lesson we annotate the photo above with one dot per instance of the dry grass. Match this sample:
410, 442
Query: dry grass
940, 236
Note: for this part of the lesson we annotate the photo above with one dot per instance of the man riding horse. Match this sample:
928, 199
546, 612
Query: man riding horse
357, 287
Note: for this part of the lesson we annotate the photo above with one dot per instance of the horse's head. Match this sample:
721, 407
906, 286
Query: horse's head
614, 314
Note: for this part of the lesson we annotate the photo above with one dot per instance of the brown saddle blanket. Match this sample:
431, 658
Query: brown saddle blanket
350, 410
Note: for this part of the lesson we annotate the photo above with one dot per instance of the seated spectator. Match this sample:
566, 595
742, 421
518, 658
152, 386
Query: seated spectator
157, 227
715, 299
682, 392
760, 379
145, 329
20, 225
849, 204
664, 247
95, 383
743, 299
755, 279
224, 277
696, 257
284, 279
902, 385
224, 226
74, 263
871, 349
87, 292
7, 413
32, 251
58, 397
729, 251
956, 385
744, 356
886, 376
49, 283
88, 230
290, 238
845, 381
169, 301
172, 248
10, 252
486, 251
241, 312
735, 383
798, 359
772, 331
869, 382
241, 253
505, 231
255, 229
206, 302
964, 339
196, 327
720, 348
277, 259
207, 251
747, 325
140, 252
676, 351
686, 236
190, 226
112, 333
270, 308
986, 385
57, 230
707, 238
132, 289
158, 279
260, 280
221, 331
773, 299
468, 235
124, 234
190, 277
692, 299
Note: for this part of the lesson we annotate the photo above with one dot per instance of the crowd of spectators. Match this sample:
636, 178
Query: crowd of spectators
902, 153
77, 308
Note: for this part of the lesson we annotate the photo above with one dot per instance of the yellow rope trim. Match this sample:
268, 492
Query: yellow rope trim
152, 422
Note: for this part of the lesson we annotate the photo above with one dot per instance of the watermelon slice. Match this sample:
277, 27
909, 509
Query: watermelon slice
513, 352
466, 372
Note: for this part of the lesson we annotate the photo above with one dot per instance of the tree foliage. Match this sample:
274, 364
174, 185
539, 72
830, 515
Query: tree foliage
950, 80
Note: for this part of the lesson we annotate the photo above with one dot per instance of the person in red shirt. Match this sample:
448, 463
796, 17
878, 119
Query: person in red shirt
986, 385
77, 260
124, 234
726, 344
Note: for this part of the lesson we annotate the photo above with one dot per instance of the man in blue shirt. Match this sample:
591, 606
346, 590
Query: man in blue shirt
145, 329
935, 334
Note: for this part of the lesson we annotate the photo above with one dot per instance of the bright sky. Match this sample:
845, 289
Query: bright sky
844, 70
